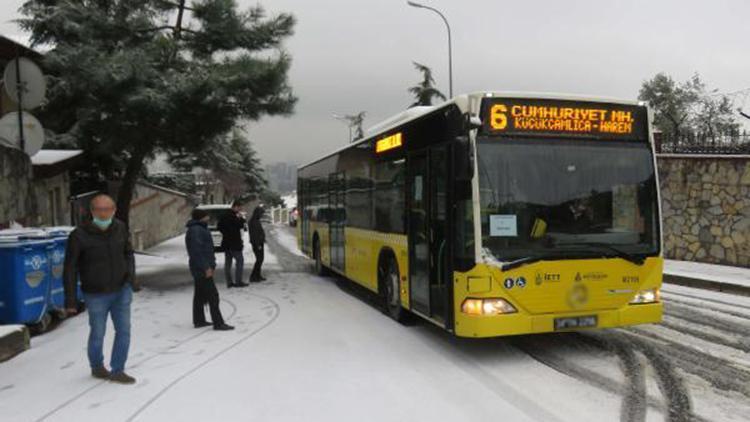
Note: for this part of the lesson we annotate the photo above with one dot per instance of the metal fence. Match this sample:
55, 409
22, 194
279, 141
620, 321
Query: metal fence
734, 144
280, 215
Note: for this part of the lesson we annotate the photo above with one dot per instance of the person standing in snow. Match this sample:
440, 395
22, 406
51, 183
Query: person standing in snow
202, 263
231, 226
100, 253
257, 240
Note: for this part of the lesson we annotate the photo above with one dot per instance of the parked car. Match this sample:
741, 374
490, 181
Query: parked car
215, 212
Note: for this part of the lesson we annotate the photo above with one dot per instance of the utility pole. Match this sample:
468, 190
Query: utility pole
19, 90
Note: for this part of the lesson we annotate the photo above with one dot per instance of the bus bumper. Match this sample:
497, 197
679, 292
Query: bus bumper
519, 323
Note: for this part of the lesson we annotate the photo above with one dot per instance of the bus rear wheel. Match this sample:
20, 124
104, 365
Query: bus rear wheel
320, 269
390, 280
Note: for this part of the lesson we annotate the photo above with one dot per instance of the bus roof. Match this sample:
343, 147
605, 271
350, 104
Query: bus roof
554, 96
466, 103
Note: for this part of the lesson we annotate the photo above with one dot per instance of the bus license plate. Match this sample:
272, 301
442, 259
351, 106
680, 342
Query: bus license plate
575, 322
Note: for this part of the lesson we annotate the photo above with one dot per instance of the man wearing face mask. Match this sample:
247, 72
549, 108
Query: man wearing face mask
99, 251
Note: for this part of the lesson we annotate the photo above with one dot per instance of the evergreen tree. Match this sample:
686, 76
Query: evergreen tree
131, 78
231, 158
425, 91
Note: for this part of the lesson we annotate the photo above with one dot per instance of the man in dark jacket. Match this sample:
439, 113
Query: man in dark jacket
231, 226
202, 263
257, 240
99, 251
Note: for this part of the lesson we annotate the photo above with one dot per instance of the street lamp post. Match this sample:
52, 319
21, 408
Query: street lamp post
450, 48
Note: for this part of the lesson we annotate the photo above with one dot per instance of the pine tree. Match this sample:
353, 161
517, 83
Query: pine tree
131, 78
232, 159
425, 91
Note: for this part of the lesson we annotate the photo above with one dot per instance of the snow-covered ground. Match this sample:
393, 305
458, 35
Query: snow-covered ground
308, 348
8, 329
719, 273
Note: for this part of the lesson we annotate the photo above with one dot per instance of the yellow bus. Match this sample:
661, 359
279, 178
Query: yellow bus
495, 214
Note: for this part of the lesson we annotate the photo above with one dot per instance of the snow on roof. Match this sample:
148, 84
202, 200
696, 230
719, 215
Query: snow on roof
704, 156
214, 206
161, 188
48, 157
401, 117
24, 40
465, 102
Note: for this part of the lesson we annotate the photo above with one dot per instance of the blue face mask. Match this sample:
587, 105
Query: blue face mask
102, 224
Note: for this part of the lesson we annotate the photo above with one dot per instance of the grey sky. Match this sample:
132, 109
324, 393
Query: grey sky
352, 55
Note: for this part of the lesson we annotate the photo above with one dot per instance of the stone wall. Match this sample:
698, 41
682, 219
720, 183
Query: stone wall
15, 182
157, 214
706, 208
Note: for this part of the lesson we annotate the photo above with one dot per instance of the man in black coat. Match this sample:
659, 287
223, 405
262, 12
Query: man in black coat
99, 252
231, 226
257, 240
202, 263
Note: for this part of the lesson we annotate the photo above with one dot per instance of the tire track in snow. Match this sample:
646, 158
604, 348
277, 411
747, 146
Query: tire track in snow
706, 299
634, 401
739, 344
634, 398
676, 405
679, 407
691, 315
152, 400
706, 306
721, 373
455, 350
166, 351
289, 261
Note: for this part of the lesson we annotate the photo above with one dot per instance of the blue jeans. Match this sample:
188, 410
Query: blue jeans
237, 256
116, 304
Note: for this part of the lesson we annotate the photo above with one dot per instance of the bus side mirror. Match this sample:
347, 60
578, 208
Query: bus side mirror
463, 165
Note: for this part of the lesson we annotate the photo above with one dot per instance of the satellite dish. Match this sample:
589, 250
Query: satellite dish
33, 84
33, 132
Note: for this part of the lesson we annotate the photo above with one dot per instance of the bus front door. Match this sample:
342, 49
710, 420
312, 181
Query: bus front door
427, 179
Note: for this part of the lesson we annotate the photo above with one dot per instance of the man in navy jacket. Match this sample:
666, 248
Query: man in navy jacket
202, 262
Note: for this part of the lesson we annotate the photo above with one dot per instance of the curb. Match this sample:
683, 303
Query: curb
707, 284
14, 342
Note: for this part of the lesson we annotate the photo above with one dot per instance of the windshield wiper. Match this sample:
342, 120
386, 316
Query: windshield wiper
637, 260
619, 253
528, 260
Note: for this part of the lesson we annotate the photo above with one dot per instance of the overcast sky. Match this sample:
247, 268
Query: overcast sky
354, 55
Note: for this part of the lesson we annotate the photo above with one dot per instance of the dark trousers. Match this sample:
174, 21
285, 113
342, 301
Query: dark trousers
258, 252
205, 293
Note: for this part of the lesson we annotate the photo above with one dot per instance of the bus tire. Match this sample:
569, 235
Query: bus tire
319, 268
390, 282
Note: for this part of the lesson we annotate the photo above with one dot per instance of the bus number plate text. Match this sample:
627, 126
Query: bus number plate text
575, 322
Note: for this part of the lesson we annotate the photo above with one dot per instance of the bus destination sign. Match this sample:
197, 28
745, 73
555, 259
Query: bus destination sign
542, 117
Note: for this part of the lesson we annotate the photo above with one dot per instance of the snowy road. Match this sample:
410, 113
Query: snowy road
310, 349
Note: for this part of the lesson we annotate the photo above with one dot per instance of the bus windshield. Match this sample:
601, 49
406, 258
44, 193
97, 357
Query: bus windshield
566, 198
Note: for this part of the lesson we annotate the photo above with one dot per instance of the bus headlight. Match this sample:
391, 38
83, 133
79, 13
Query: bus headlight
645, 296
491, 306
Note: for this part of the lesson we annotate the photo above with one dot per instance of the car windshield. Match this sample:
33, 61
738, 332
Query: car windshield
547, 197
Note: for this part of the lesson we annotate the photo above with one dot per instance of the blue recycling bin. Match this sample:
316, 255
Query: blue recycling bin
24, 278
59, 237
